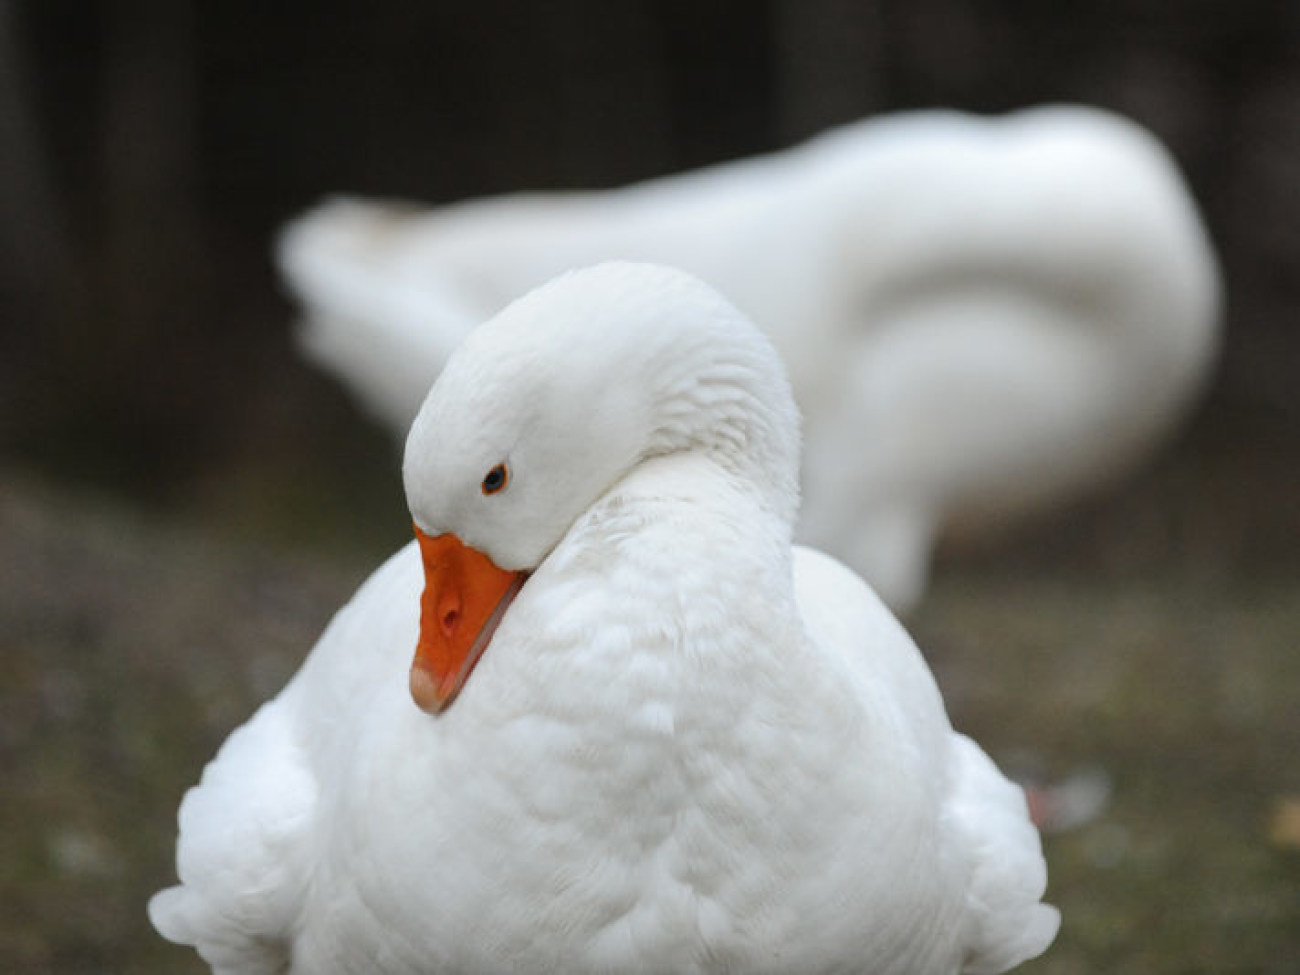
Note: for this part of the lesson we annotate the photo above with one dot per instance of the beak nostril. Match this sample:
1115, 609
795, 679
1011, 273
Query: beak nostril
463, 599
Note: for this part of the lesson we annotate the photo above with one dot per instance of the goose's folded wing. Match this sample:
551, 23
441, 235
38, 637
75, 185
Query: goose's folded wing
242, 855
1007, 921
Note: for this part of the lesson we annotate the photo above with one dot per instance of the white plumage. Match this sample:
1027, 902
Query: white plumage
688, 747
979, 316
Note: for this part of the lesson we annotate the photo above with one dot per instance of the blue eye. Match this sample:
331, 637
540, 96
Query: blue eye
496, 479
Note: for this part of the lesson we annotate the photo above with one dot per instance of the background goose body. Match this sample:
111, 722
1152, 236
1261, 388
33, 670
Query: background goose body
979, 316
688, 746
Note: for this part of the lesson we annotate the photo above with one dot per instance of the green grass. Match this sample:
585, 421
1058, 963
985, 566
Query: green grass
1187, 698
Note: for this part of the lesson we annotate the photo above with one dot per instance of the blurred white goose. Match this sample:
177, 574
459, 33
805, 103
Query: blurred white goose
979, 316
684, 746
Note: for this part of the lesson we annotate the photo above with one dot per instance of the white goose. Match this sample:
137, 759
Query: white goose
685, 746
980, 317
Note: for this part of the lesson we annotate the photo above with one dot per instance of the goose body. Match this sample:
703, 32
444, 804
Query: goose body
688, 746
980, 317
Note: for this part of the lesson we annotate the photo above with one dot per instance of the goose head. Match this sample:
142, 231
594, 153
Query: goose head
546, 406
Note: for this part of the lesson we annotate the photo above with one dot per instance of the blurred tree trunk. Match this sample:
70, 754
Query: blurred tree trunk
830, 63
42, 275
151, 227
570, 132
155, 278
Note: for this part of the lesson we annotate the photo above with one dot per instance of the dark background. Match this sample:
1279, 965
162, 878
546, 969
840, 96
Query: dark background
154, 146
182, 501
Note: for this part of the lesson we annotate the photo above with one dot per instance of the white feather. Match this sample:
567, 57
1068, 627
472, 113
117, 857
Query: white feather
689, 746
980, 317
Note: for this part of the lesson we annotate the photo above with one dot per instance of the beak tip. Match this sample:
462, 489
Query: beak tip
424, 691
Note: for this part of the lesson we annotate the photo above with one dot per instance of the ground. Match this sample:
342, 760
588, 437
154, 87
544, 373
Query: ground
1143, 640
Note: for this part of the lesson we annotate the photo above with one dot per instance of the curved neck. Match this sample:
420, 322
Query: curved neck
730, 402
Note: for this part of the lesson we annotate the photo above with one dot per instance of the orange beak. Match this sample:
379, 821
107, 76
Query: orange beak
465, 596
